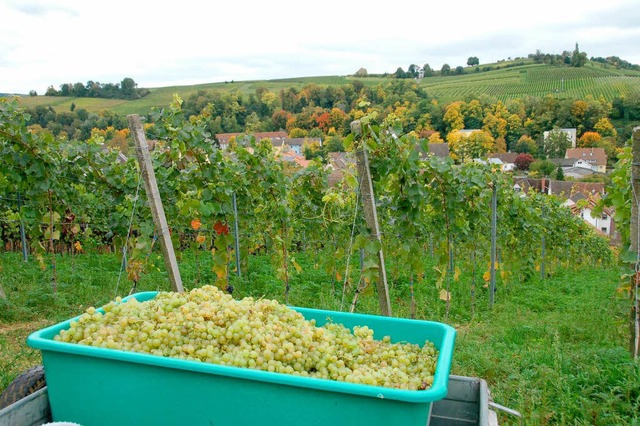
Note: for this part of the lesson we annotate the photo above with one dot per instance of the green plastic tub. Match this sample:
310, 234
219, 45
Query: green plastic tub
96, 386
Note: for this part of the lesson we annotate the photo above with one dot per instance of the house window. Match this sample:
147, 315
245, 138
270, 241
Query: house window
604, 216
604, 229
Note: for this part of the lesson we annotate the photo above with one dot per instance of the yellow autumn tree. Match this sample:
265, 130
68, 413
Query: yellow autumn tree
495, 125
473, 114
464, 148
436, 138
453, 118
120, 140
578, 109
605, 128
589, 140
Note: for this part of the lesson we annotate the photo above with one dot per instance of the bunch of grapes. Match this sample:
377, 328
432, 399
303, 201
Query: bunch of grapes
208, 325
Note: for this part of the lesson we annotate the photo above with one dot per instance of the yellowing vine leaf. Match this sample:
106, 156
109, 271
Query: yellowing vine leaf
220, 271
55, 235
46, 219
41, 262
445, 295
487, 276
456, 274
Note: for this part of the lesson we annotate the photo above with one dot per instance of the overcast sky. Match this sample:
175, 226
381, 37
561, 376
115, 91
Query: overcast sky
45, 43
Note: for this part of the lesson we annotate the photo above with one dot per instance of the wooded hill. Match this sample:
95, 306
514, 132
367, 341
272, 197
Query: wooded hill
503, 81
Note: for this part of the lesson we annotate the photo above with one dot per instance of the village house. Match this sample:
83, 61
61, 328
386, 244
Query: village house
588, 158
297, 144
569, 168
584, 206
440, 150
506, 160
467, 132
278, 140
580, 197
338, 163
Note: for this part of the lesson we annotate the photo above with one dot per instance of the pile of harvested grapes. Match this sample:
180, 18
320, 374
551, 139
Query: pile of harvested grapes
208, 325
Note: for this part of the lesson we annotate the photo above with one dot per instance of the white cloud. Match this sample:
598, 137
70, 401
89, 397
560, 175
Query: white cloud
51, 42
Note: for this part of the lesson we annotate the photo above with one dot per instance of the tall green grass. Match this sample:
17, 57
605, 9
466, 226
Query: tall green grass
553, 349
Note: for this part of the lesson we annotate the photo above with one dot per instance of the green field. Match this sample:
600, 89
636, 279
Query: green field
555, 350
506, 82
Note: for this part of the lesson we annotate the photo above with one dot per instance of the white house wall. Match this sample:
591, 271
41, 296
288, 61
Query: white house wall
603, 225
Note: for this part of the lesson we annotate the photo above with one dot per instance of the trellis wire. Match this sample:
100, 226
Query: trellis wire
353, 230
126, 242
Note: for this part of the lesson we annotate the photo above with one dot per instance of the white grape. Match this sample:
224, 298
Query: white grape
208, 325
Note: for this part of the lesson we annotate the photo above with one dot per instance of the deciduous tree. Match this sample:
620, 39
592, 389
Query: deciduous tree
555, 144
400, 73
453, 118
298, 133
473, 114
476, 145
362, 72
605, 128
280, 118
435, 138
578, 59
526, 145
428, 71
542, 168
413, 71
523, 161
589, 140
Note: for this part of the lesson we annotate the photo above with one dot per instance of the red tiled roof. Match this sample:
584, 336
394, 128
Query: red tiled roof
590, 155
223, 138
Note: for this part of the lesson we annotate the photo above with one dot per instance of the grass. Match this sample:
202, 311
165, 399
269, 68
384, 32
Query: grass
555, 350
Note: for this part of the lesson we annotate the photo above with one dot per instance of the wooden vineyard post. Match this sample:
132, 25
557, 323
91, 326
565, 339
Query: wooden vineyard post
236, 234
155, 202
634, 237
371, 217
